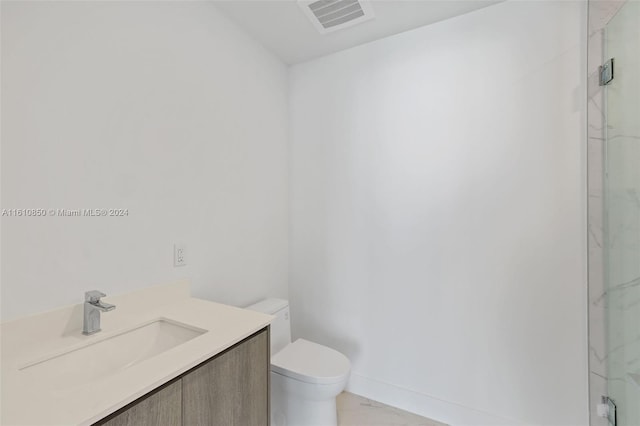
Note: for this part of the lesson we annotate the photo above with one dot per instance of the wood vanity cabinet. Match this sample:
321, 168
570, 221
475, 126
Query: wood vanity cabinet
162, 407
230, 389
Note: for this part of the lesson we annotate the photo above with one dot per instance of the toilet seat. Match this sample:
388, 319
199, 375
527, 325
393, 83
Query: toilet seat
311, 363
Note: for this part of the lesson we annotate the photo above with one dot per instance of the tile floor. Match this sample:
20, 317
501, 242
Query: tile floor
354, 410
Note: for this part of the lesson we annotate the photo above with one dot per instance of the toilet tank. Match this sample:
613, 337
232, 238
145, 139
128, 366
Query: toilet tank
281, 325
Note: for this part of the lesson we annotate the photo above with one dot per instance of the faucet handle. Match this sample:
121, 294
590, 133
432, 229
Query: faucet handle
93, 296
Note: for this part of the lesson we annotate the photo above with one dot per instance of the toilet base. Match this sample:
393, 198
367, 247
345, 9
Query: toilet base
292, 411
296, 403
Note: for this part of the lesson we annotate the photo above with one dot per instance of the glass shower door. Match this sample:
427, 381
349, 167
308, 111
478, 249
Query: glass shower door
622, 212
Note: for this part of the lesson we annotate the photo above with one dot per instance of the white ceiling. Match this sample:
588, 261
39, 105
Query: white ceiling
281, 26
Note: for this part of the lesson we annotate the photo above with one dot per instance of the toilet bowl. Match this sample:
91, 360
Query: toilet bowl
305, 377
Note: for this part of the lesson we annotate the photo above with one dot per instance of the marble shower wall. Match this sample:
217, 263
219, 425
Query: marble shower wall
600, 13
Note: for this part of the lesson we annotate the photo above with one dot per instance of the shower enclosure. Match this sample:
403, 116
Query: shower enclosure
617, 305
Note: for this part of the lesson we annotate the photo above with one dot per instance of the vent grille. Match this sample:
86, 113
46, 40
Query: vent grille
331, 15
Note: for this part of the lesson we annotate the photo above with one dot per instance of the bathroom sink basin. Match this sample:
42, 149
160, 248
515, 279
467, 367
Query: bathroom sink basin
110, 354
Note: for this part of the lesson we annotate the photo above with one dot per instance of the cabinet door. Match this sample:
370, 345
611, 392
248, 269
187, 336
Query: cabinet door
160, 408
232, 389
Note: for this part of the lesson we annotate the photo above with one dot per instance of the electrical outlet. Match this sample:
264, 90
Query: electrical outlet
179, 254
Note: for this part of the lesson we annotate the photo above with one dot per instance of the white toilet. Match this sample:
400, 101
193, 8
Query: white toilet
305, 377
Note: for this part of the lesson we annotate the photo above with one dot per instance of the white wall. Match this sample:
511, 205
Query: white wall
438, 215
164, 108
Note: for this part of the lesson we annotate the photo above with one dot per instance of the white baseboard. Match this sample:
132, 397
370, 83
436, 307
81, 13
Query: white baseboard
424, 405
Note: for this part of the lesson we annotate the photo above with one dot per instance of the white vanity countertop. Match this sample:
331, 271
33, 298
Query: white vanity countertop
27, 399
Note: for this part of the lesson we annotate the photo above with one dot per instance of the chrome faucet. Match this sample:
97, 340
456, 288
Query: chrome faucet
92, 308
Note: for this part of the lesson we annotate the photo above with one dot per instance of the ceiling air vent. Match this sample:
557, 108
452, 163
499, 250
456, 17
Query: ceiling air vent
332, 15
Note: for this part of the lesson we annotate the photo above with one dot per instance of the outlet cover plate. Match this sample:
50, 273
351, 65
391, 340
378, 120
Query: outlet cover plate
179, 254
